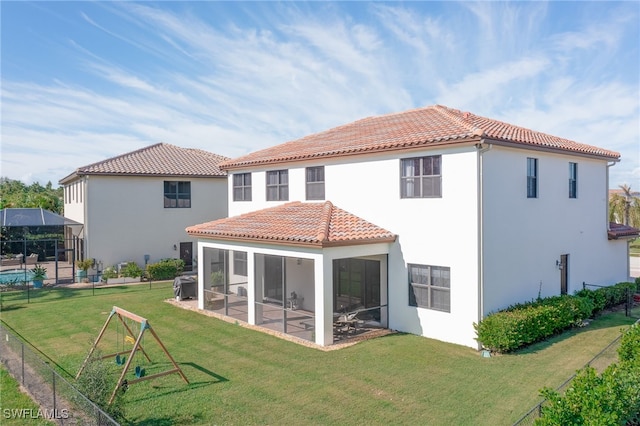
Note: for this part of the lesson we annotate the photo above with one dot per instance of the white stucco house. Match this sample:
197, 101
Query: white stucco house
135, 206
423, 221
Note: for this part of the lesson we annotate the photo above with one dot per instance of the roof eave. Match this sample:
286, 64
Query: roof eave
626, 236
253, 240
555, 150
341, 154
293, 243
385, 240
127, 174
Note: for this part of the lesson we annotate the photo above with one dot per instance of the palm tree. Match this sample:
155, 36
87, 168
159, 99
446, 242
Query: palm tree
625, 207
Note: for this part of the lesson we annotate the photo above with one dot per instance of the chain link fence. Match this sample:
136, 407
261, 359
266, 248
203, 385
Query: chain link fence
58, 399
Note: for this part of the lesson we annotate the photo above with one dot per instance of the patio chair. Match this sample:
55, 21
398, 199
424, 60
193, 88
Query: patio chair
32, 259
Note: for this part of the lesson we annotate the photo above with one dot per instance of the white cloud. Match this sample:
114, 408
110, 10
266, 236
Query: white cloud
231, 85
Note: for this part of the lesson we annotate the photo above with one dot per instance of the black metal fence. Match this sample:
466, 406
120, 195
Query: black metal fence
20, 292
58, 399
631, 298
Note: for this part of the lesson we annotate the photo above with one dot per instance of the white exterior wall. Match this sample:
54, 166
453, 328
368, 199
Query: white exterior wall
431, 231
74, 200
126, 218
524, 237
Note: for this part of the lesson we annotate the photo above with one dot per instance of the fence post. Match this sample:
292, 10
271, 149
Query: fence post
584, 285
627, 306
22, 356
53, 375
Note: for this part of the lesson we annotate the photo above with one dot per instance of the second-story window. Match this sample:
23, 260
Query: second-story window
532, 178
242, 187
177, 194
573, 180
421, 177
278, 185
315, 183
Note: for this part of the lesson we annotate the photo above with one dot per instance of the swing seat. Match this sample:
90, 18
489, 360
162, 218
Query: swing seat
139, 371
120, 360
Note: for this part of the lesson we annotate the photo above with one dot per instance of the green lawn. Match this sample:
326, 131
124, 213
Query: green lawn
17, 408
241, 376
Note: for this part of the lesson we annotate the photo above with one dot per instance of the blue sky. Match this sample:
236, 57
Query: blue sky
85, 81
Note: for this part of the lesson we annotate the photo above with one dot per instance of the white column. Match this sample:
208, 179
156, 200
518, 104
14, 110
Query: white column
324, 300
200, 275
251, 287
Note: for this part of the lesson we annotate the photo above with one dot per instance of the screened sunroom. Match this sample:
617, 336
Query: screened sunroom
309, 286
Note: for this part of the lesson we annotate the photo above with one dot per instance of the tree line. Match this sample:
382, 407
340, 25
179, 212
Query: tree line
15, 194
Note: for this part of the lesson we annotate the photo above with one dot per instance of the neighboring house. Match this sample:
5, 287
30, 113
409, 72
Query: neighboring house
135, 206
423, 221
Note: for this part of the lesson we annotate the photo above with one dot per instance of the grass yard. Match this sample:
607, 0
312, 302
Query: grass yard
241, 376
12, 398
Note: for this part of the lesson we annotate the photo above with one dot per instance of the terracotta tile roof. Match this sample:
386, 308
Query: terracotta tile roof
429, 126
295, 223
621, 192
161, 159
617, 230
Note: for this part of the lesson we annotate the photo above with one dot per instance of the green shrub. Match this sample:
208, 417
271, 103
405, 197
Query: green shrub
96, 383
166, 269
629, 349
132, 270
596, 297
613, 398
616, 294
526, 323
109, 272
85, 265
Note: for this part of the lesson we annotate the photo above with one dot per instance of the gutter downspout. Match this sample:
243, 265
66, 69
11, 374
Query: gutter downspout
481, 149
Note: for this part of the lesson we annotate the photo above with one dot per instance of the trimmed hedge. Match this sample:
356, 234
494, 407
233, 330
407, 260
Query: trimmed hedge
166, 269
523, 324
609, 297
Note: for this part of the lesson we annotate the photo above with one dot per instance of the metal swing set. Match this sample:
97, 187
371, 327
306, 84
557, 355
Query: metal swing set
128, 334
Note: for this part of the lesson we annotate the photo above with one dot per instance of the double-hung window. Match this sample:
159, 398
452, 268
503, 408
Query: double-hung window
177, 194
532, 178
430, 287
242, 187
421, 177
315, 183
278, 185
573, 180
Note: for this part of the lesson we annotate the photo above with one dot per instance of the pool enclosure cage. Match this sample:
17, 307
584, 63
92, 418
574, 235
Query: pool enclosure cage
34, 235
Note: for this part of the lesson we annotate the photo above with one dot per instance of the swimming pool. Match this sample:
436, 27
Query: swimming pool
16, 276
